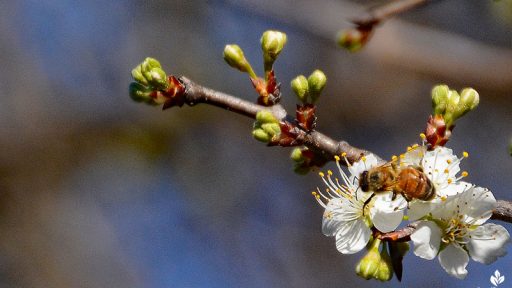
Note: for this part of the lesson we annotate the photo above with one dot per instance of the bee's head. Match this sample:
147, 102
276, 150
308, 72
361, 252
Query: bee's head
363, 182
372, 180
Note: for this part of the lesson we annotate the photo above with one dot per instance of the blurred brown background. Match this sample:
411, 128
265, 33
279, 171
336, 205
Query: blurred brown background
98, 191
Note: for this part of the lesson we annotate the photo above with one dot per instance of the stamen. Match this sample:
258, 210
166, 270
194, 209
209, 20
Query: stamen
465, 154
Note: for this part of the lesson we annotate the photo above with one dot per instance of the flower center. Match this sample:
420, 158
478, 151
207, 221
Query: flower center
457, 231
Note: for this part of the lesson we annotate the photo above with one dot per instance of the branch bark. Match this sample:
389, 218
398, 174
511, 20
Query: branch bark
195, 94
382, 13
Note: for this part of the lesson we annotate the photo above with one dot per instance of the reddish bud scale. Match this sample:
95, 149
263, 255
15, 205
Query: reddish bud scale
268, 90
436, 132
305, 115
174, 94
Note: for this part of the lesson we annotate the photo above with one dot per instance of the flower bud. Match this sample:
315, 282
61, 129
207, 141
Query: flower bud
235, 57
137, 75
157, 78
316, 82
271, 128
272, 42
140, 93
353, 39
469, 100
369, 265
265, 116
300, 87
385, 271
296, 155
261, 135
439, 99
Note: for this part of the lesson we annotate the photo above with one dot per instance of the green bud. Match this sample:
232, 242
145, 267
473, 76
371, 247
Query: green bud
469, 100
235, 57
439, 99
369, 265
137, 75
385, 271
272, 129
351, 39
150, 63
265, 116
272, 43
157, 78
452, 103
260, 135
140, 93
296, 155
300, 87
316, 82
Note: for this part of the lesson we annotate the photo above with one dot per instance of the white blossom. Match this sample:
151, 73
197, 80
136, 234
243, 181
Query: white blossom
347, 216
457, 229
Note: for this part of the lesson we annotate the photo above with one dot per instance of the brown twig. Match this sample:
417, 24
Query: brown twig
195, 94
382, 13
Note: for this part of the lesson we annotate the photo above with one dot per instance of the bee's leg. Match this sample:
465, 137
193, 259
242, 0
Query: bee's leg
367, 202
394, 196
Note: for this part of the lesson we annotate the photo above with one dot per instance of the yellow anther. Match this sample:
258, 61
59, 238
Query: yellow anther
363, 158
394, 158
329, 172
423, 136
446, 171
402, 156
443, 198
415, 146
337, 158
321, 174
449, 161
450, 180
465, 174
409, 148
465, 154
344, 154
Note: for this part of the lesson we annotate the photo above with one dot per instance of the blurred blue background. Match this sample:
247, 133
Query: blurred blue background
98, 191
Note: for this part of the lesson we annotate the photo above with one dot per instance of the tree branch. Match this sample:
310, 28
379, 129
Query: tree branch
195, 94
382, 13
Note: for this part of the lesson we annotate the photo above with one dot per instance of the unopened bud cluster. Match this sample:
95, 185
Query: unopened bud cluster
266, 128
452, 105
375, 264
353, 39
308, 89
150, 78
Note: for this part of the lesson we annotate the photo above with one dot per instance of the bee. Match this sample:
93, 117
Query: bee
410, 181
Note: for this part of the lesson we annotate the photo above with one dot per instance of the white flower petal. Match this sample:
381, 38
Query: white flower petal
488, 242
454, 260
353, 239
476, 204
336, 215
386, 213
360, 166
414, 156
440, 165
419, 208
426, 239
453, 189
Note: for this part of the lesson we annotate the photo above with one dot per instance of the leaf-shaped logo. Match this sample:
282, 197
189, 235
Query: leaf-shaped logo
497, 278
